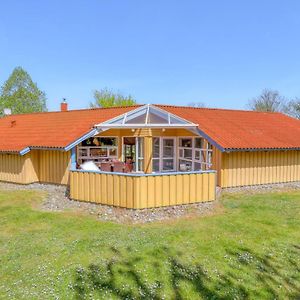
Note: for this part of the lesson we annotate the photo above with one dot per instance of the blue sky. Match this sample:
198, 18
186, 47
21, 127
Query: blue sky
221, 52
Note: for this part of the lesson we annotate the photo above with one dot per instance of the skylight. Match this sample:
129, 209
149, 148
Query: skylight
147, 116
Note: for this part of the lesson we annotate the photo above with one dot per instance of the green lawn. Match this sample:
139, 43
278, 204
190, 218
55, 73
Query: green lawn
250, 249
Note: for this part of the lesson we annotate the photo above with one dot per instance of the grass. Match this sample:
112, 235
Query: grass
249, 250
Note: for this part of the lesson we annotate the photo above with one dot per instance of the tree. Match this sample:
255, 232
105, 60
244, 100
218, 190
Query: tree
268, 101
21, 94
197, 104
293, 108
108, 98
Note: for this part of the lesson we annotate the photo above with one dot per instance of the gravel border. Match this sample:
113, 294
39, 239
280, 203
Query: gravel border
57, 201
264, 188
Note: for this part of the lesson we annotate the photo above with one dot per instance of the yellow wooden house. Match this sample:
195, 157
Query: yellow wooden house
149, 155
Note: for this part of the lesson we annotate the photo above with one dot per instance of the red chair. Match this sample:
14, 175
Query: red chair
118, 166
128, 167
106, 167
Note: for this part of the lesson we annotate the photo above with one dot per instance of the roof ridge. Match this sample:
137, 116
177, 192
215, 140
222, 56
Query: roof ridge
139, 105
216, 108
71, 110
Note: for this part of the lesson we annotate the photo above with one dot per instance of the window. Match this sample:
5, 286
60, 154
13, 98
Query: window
168, 154
98, 148
140, 154
199, 143
185, 154
163, 149
209, 152
194, 154
100, 141
185, 165
133, 152
198, 154
156, 154
186, 142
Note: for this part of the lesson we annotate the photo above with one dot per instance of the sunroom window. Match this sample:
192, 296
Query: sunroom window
156, 154
163, 159
98, 149
193, 154
185, 154
198, 154
209, 152
140, 154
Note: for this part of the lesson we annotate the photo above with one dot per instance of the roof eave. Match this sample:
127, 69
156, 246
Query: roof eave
210, 140
260, 149
24, 151
67, 148
82, 138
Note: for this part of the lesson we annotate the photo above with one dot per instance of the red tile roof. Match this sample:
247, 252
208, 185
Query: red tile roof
51, 129
240, 129
230, 129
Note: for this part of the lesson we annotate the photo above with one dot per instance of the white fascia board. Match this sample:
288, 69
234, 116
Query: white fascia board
165, 125
147, 114
194, 130
209, 139
91, 133
24, 151
122, 116
82, 138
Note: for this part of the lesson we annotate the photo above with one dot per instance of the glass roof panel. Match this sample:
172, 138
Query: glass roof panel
137, 120
155, 119
174, 120
146, 116
140, 114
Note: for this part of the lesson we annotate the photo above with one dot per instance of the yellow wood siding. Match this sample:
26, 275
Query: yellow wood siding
142, 191
19, 169
148, 155
54, 166
259, 167
12, 168
31, 167
216, 163
35, 166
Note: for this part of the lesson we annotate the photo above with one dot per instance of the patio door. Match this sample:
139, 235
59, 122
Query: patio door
164, 150
133, 151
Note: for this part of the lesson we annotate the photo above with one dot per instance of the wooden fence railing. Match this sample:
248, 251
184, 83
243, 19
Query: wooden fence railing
142, 190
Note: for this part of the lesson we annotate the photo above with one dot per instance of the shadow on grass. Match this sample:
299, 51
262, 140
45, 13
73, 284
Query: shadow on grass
125, 278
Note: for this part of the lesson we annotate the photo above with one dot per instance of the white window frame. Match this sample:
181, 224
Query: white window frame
159, 153
205, 153
137, 157
209, 154
187, 148
108, 149
161, 158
